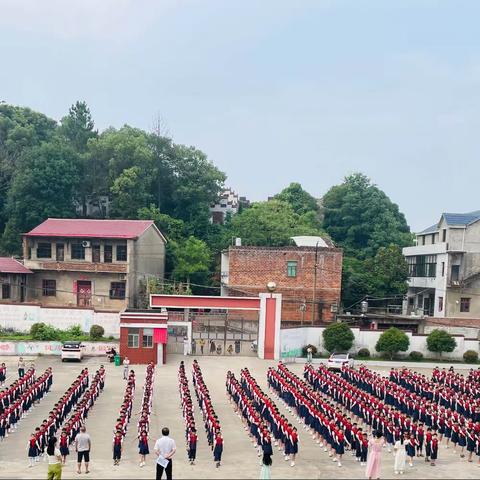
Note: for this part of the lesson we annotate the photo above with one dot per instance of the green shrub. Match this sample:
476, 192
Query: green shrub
392, 341
36, 330
440, 341
363, 353
43, 332
470, 356
338, 337
74, 332
313, 347
96, 332
417, 356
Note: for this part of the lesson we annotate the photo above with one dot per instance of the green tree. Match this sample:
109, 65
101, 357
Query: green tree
360, 217
78, 126
130, 193
392, 341
172, 228
338, 337
298, 198
192, 260
44, 187
440, 341
270, 223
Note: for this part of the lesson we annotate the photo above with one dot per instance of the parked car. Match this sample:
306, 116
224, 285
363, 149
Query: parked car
72, 351
337, 360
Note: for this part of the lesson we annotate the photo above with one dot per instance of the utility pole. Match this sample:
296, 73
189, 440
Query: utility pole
314, 283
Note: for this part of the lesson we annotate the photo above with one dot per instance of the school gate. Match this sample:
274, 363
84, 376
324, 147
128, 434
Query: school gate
221, 325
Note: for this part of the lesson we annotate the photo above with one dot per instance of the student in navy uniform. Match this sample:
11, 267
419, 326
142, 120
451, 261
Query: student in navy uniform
218, 448
143, 449
434, 450
33, 450
192, 445
64, 450
117, 448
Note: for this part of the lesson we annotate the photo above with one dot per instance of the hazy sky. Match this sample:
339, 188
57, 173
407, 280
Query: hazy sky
273, 91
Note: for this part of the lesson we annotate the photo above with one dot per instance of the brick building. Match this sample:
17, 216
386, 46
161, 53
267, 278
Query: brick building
247, 270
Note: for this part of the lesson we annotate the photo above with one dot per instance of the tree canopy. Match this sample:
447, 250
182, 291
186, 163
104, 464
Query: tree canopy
440, 341
392, 341
298, 198
338, 337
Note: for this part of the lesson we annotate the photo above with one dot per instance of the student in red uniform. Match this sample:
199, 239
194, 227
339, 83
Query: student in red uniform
428, 444
364, 450
117, 448
192, 445
143, 449
218, 449
434, 450
33, 450
64, 450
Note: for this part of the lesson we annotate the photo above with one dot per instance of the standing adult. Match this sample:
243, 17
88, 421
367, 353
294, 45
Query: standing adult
400, 454
126, 365
186, 346
21, 367
265, 472
374, 461
54, 458
82, 447
201, 342
165, 449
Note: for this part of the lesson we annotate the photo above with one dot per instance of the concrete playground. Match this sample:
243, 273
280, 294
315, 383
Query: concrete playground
240, 458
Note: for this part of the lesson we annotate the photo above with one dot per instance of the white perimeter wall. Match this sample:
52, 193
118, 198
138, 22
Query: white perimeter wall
293, 339
22, 317
53, 348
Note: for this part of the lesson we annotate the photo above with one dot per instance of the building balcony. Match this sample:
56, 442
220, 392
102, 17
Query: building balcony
432, 249
72, 266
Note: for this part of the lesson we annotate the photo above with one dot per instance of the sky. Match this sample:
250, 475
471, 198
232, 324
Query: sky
272, 91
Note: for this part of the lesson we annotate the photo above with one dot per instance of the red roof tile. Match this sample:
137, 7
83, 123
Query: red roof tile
85, 228
10, 265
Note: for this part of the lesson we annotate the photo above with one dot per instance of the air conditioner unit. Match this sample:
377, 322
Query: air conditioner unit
123, 277
86, 244
455, 282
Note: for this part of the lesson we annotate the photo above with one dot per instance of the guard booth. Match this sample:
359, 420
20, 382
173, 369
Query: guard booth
144, 336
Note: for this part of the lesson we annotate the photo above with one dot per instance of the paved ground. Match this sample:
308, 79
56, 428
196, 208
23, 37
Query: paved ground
240, 459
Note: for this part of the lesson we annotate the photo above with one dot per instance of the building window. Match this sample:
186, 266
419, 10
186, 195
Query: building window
422, 265
133, 338
455, 273
444, 235
147, 339
443, 269
433, 238
6, 290
44, 250
291, 268
60, 252
49, 288
440, 304
107, 254
423, 239
78, 251
96, 253
465, 304
121, 253
411, 301
117, 290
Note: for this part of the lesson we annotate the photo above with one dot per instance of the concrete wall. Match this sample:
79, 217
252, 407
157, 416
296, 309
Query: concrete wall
15, 281
52, 348
66, 295
22, 317
292, 340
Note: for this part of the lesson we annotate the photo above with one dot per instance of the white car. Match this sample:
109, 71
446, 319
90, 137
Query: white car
337, 360
72, 351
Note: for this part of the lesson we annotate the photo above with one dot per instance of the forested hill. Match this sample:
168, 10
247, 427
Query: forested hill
54, 169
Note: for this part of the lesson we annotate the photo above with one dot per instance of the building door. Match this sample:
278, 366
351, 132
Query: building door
428, 305
84, 293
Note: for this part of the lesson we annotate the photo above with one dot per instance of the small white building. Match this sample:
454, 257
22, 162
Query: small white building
444, 268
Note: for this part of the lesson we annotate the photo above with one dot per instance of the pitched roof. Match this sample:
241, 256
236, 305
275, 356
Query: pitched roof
10, 265
86, 228
461, 218
454, 220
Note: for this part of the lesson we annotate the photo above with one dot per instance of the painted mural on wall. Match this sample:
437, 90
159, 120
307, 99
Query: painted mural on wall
53, 348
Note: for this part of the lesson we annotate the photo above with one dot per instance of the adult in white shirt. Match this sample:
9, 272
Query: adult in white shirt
165, 449
126, 364
186, 346
54, 458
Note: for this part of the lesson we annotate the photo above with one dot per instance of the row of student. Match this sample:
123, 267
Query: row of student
9, 394
463, 398
456, 380
143, 426
321, 419
18, 404
466, 437
424, 404
124, 417
284, 433
210, 418
434, 415
77, 400
186, 405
